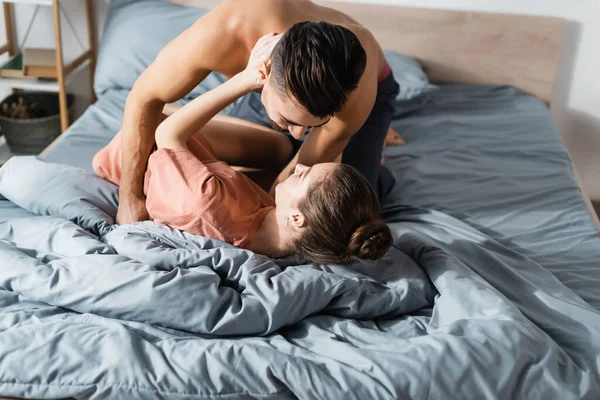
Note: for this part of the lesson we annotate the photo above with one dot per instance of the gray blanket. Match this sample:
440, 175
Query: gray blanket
94, 310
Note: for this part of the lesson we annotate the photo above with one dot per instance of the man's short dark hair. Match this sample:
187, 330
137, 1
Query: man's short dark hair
318, 64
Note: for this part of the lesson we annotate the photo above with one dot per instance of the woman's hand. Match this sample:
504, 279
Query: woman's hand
259, 63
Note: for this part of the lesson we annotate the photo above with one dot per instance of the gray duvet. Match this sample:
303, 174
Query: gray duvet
89, 309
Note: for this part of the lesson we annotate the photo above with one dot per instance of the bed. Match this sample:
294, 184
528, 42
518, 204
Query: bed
492, 288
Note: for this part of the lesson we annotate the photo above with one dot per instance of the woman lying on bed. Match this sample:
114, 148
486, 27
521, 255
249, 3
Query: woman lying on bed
327, 213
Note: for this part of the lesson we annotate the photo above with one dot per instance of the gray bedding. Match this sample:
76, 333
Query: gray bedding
95, 310
492, 289
493, 158
493, 296
489, 156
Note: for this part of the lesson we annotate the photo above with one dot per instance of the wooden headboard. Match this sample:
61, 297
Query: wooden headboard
461, 46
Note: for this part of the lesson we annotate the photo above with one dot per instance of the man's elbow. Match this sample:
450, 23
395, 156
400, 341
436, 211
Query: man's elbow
140, 98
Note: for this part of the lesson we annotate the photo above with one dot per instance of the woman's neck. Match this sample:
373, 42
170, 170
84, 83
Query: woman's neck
268, 238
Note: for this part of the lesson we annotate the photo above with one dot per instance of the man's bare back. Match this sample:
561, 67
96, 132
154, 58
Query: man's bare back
222, 41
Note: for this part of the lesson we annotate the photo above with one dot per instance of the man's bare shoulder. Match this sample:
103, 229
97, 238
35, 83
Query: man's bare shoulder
234, 9
216, 40
234, 20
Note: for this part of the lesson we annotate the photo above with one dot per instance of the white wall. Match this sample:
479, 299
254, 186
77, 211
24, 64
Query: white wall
576, 103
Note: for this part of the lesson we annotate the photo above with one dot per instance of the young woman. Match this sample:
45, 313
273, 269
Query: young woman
327, 213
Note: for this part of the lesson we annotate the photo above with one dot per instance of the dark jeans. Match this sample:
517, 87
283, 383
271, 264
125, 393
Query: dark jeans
365, 147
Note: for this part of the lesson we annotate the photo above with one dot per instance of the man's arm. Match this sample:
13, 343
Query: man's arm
178, 68
326, 143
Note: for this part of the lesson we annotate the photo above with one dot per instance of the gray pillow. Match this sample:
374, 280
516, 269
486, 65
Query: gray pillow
409, 74
63, 191
135, 32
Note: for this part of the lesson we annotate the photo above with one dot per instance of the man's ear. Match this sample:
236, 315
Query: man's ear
296, 219
265, 68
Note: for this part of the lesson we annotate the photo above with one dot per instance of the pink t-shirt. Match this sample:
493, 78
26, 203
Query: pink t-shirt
189, 189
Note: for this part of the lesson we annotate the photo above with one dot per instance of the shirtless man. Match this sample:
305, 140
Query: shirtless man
326, 74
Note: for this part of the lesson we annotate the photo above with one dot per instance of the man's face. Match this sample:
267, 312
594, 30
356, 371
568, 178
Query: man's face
286, 114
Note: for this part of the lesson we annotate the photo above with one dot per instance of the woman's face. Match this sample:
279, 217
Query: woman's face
289, 192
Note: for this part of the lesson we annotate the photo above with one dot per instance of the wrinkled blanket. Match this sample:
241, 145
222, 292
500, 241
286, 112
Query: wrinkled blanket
90, 309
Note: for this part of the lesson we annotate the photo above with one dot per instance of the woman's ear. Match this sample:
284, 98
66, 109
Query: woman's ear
296, 220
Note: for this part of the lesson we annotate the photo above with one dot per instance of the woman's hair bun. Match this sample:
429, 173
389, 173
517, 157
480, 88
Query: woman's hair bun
371, 240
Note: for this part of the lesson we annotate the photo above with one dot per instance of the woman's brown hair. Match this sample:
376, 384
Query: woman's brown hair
342, 220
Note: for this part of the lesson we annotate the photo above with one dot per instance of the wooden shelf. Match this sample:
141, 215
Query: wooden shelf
65, 72
36, 2
45, 85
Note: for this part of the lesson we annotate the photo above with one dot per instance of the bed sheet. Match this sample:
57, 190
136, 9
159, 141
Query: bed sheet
492, 157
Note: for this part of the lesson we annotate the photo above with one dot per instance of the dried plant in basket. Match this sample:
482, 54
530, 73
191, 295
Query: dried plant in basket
22, 109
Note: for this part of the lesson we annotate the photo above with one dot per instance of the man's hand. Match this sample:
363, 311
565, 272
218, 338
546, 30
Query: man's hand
132, 210
259, 63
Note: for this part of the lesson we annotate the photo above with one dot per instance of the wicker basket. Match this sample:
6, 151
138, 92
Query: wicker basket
31, 136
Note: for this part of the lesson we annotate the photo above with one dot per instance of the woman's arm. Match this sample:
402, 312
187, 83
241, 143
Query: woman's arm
175, 131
